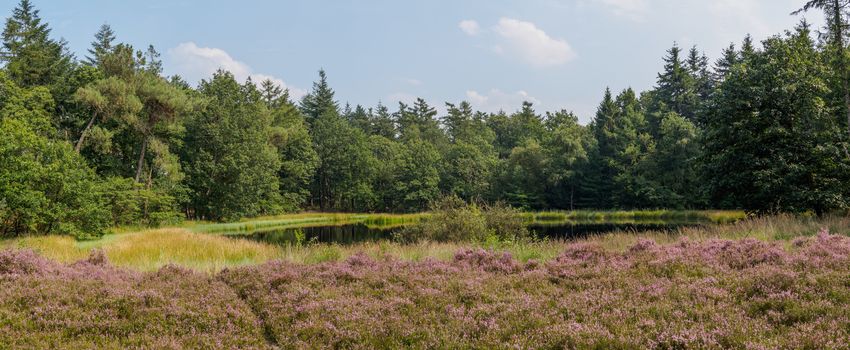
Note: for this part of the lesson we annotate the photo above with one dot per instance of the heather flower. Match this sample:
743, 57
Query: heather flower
716, 294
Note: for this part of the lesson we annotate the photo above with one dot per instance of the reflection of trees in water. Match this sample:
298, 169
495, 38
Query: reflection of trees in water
579, 230
354, 233
342, 234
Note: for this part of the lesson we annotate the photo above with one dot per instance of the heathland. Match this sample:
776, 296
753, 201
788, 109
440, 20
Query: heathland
124, 195
777, 282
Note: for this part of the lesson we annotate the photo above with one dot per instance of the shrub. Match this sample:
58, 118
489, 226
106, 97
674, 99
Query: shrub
454, 220
132, 203
45, 187
505, 222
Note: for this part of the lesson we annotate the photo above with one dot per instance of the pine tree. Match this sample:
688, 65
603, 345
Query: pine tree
271, 93
319, 101
101, 46
701, 75
295, 148
381, 122
418, 121
623, 143
748, 48
776, 150
359, 118
343, 177
728, 59
32, 58
676, 87
837, 23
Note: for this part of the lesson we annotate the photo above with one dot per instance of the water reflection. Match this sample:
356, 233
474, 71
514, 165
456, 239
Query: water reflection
340, 234
359, 232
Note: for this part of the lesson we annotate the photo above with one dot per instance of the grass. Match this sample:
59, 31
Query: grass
782, 228
149, 250
711, 294
713, 216
774, 282
303, 220
308, 219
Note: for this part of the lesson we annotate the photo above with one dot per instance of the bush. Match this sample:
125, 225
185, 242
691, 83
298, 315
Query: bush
505, 222
454, 220
132, 203
45, 187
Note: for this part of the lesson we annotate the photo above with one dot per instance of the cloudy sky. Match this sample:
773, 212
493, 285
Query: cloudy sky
493, 53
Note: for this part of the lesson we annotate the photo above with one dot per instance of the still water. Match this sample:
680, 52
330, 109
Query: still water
358, 232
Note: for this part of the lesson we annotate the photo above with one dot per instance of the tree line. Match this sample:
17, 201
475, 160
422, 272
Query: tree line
107, 140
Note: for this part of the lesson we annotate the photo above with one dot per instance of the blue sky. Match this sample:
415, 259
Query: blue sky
494, 53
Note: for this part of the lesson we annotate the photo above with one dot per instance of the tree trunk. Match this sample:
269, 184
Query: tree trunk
141, 159
85, 132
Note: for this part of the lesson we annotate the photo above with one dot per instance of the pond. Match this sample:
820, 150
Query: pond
359, 232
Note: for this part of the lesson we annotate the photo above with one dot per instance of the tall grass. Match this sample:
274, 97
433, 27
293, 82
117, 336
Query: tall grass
305, 220
781, 228
712, 216
150, 249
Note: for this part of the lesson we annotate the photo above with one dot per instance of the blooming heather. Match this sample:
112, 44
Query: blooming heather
89, 305
717, 294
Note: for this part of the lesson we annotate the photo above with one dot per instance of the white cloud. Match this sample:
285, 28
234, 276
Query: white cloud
633, 9
496, 100
470, 27
414, 82
194, 63
531, 44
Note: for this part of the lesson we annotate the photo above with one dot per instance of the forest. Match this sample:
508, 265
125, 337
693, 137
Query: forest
89, 143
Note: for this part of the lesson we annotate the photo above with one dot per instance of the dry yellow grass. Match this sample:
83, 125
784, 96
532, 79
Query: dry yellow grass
773, 228
151, 249
59, 248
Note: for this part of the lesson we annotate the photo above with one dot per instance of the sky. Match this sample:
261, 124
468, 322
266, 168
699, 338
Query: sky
558, 54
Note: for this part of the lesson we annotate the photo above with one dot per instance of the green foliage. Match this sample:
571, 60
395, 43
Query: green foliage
101, 46
418, 177
773, 150
419, 122
454, 220
131, 203
764, 129
230, 164
467, 170
295, 148
675, 180
32, 58
677, 84
343, 178
320, 101
45, 187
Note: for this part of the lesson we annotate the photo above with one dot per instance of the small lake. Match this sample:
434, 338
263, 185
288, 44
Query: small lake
358, 232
